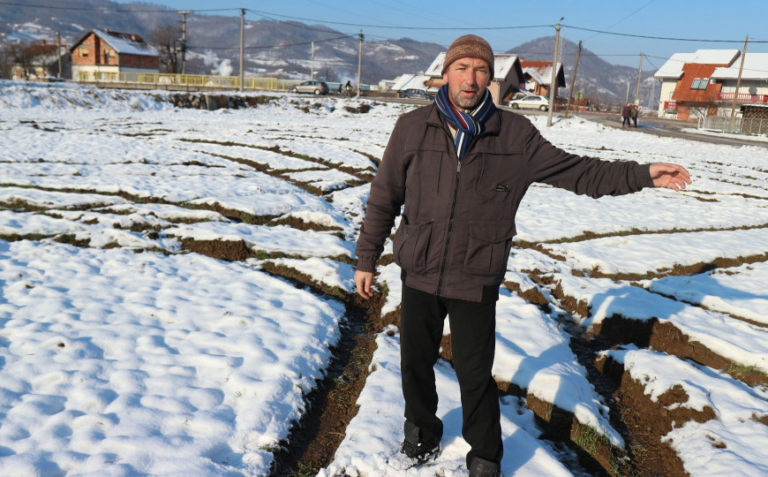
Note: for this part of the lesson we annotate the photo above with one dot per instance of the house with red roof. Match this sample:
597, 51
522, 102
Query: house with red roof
41, 62
700, 84
104, 55
537, 77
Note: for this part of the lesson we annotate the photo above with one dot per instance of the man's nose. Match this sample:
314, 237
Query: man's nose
471, 78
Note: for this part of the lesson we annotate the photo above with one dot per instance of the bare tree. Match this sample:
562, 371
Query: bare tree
165, 37
15, 54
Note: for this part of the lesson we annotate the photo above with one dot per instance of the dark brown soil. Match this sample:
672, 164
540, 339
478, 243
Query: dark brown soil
664, 336
231, 250
316, 437
647, 422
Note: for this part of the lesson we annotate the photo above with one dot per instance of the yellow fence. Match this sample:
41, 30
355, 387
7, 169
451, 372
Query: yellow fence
162, 79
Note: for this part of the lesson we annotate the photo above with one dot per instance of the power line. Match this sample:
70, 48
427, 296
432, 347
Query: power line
267, 47
109, 10
396, 27
659, 37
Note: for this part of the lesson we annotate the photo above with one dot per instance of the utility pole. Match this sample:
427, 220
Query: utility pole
242, 49
58, 51
738, 81
184, 39
553, 82
626, 100
312, 63
639, 76
573, 80
359, 63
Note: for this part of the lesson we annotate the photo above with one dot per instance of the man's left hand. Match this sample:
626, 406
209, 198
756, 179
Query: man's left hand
671, 176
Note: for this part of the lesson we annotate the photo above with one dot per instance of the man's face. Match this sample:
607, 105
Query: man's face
467, 80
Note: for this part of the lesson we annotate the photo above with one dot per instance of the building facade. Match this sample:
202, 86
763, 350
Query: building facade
701, 84
105, 55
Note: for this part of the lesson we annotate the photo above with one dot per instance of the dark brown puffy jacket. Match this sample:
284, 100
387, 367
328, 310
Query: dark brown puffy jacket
458, 222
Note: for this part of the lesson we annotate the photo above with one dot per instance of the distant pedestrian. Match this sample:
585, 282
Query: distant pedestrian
339, 89
633, 113
625, 115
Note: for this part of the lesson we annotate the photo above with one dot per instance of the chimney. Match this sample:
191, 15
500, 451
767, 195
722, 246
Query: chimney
42, 42
106, 30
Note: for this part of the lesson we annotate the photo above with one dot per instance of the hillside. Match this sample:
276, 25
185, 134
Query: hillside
273, 48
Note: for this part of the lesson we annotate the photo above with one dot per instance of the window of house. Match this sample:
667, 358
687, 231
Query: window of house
700, 83
84, 52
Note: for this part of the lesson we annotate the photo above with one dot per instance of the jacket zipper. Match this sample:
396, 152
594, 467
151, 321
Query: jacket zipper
450, 220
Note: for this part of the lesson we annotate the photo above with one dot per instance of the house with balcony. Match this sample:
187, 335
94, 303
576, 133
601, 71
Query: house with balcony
688, 90
106, 55
538, 77
507, 76
701, 84
753, 89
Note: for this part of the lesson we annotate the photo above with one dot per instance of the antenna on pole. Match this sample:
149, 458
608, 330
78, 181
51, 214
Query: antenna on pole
184, 39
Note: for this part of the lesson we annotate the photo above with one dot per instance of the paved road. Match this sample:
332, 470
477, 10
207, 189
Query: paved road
647, 125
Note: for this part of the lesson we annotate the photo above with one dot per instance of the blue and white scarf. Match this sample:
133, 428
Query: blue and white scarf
467, 125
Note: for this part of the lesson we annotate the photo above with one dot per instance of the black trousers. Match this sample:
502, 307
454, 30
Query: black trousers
473, 337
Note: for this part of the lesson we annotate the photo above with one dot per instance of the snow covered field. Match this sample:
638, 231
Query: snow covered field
125, 350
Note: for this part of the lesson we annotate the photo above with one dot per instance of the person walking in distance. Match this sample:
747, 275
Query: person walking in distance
625, 114
633, 113
460, 167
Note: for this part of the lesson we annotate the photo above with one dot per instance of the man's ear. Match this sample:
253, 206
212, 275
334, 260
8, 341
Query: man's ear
445, 77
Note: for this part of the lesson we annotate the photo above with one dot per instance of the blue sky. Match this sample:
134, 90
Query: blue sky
701, 19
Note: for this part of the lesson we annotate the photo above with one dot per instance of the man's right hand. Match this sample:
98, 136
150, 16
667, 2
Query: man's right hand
363, 280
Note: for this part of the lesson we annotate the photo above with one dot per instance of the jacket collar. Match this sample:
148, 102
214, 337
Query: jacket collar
491, 127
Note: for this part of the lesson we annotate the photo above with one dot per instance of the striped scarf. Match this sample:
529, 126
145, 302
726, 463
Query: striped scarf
467, 125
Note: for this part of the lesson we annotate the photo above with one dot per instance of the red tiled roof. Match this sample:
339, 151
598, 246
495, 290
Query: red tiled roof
37, 50
683, 91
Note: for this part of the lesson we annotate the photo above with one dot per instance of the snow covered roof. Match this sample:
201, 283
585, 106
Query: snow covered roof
410, 81
755, 68
123, 43
673, 68
541, 71
502, 65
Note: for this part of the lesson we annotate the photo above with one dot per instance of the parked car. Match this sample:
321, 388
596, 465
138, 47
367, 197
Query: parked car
530, 102
414, 93
314, 87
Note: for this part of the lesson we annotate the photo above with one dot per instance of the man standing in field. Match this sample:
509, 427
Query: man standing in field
461, 167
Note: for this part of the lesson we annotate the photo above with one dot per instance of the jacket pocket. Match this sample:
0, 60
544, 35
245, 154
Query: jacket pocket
488, 249
411, 246
499, 176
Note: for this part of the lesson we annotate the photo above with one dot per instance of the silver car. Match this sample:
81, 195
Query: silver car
313, 87
530, 102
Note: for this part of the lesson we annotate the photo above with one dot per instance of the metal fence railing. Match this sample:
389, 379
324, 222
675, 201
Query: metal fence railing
736, 125
164, 79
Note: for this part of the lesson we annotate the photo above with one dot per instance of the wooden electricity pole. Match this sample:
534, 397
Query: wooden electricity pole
359, 63
573, 80
553, 82
738, 81
58, 52
184, 40
639, 77
242, 48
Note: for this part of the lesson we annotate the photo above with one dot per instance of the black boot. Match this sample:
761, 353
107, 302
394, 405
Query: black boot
484, 468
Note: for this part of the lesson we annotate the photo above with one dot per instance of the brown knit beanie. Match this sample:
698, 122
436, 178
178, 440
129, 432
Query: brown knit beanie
469, 46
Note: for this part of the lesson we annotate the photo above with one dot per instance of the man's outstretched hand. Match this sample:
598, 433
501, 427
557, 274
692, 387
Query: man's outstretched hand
670, 176
363, 280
